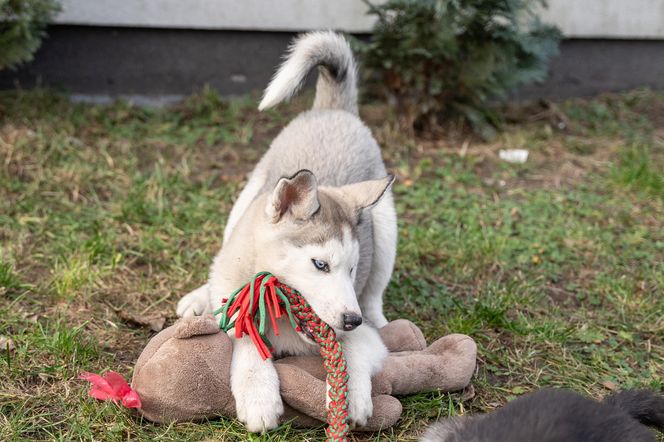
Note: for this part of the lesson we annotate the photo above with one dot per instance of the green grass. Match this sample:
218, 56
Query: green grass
554, 267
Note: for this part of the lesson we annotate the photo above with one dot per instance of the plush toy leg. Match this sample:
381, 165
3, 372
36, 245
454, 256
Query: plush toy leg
306, 393
447, 364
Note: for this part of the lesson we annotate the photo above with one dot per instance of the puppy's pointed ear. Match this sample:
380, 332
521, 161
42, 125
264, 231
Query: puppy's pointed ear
366, 193
296, 196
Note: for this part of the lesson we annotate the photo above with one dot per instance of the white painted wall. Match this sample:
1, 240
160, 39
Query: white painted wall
577, 18
278, 15
607, 18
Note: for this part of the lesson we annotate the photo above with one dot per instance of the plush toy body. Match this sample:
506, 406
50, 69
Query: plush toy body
184, 374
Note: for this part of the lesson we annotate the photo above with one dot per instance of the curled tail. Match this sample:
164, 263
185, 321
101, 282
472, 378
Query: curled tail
645, 406
337, 80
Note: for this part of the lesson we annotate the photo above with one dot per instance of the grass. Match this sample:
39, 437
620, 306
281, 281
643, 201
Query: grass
554, 267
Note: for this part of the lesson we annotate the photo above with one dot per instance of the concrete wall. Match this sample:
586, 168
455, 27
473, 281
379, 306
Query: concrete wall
635, 19
157, 64
169, 48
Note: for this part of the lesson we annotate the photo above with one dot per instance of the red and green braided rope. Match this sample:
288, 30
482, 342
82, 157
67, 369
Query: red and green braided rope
248, 309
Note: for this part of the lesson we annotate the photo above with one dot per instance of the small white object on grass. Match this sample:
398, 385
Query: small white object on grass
6, 344
518, 156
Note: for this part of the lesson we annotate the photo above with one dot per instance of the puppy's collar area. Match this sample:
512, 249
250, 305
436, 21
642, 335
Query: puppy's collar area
264, 299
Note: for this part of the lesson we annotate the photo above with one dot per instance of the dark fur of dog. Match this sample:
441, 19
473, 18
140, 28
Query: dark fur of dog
559, 415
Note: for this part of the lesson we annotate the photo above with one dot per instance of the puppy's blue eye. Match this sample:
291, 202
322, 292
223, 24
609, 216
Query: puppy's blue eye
321, 265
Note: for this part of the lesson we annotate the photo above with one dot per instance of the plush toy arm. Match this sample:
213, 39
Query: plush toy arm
402, 335
447, 364
302, 391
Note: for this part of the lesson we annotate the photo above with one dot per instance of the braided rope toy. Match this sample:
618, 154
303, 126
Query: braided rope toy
248, 308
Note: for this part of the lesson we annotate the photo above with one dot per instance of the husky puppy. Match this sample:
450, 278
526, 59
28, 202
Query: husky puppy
559, 416
318, 213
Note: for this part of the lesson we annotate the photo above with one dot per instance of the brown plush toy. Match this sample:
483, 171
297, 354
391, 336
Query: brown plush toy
184, 374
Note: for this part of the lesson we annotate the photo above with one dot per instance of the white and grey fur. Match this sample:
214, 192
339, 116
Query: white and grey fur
320, 192
553, 415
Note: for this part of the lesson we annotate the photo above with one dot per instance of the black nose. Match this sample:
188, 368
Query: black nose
351, 321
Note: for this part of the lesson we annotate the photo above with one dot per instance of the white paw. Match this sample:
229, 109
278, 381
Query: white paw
259, 409
375, 318
195, 303
360, 406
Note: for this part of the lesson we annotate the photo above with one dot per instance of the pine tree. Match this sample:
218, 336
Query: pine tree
22, 26
441, 59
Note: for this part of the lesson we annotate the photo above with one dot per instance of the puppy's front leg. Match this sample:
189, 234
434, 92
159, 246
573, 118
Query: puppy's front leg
255, 387
365, 353
194, 303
